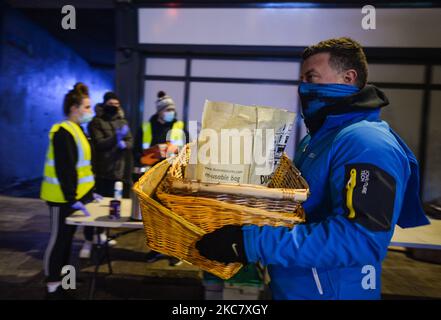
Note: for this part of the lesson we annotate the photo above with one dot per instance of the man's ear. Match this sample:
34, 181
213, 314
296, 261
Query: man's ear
350, 76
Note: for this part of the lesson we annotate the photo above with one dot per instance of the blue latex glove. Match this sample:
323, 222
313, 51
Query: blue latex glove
122, 132
80, 206
97, 197
122, 144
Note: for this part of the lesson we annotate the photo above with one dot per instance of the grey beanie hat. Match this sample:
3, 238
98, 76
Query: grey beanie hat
164, 101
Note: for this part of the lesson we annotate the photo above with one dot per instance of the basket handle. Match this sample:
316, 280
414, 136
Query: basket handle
298, 195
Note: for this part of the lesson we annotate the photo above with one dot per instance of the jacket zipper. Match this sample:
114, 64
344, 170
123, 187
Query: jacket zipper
317, 281
350, 191
303, 156
306, 146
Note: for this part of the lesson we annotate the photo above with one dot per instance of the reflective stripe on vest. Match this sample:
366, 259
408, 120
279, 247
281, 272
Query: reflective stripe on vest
51, 189
81, 180
176, 135
81, 163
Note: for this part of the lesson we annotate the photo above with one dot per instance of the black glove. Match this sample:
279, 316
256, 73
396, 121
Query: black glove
223, 245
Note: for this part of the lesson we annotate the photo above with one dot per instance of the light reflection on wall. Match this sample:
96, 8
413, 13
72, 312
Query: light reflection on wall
36, 72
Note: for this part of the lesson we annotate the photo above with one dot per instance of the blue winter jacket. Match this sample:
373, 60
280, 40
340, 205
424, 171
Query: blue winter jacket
363, 181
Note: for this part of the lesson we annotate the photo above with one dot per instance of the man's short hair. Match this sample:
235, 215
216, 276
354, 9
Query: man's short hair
345, 54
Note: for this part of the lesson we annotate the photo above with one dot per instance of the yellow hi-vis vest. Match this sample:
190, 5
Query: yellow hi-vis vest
176, 135
50, 188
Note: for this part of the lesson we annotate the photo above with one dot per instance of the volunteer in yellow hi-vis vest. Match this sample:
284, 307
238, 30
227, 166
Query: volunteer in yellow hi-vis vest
68, 182
51, 189
163, 135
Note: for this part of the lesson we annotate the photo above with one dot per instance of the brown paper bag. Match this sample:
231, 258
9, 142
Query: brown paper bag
239, 144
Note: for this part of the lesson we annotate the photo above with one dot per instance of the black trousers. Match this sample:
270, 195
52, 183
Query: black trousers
59, 247
89, 231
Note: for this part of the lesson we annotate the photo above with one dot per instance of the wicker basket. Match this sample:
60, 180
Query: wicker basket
175, 219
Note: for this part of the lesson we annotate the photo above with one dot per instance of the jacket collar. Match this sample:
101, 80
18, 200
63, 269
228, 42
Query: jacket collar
342, 120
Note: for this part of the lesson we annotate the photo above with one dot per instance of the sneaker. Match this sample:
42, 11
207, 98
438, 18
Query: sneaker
153, 256
174, 262
103, 238
86, 250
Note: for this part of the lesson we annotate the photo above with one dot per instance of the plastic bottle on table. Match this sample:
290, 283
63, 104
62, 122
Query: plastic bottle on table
118, 190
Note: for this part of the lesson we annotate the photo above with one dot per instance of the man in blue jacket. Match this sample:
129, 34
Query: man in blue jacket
363, 181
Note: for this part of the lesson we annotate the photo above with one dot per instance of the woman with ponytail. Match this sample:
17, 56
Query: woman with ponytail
68, 182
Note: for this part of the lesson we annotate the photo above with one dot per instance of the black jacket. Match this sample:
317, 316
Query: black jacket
110, 162
159, 135
160, 130
66, 158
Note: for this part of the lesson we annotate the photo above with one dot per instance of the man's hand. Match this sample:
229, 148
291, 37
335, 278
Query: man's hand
122, 132
80, 206
122, 145
223, 245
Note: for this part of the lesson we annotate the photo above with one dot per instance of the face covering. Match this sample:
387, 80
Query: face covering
168, 116
315, 96
111, 110
86, 117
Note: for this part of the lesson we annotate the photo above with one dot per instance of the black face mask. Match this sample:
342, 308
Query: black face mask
110, 110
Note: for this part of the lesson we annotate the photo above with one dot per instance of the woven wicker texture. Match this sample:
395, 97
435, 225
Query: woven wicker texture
174, 220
